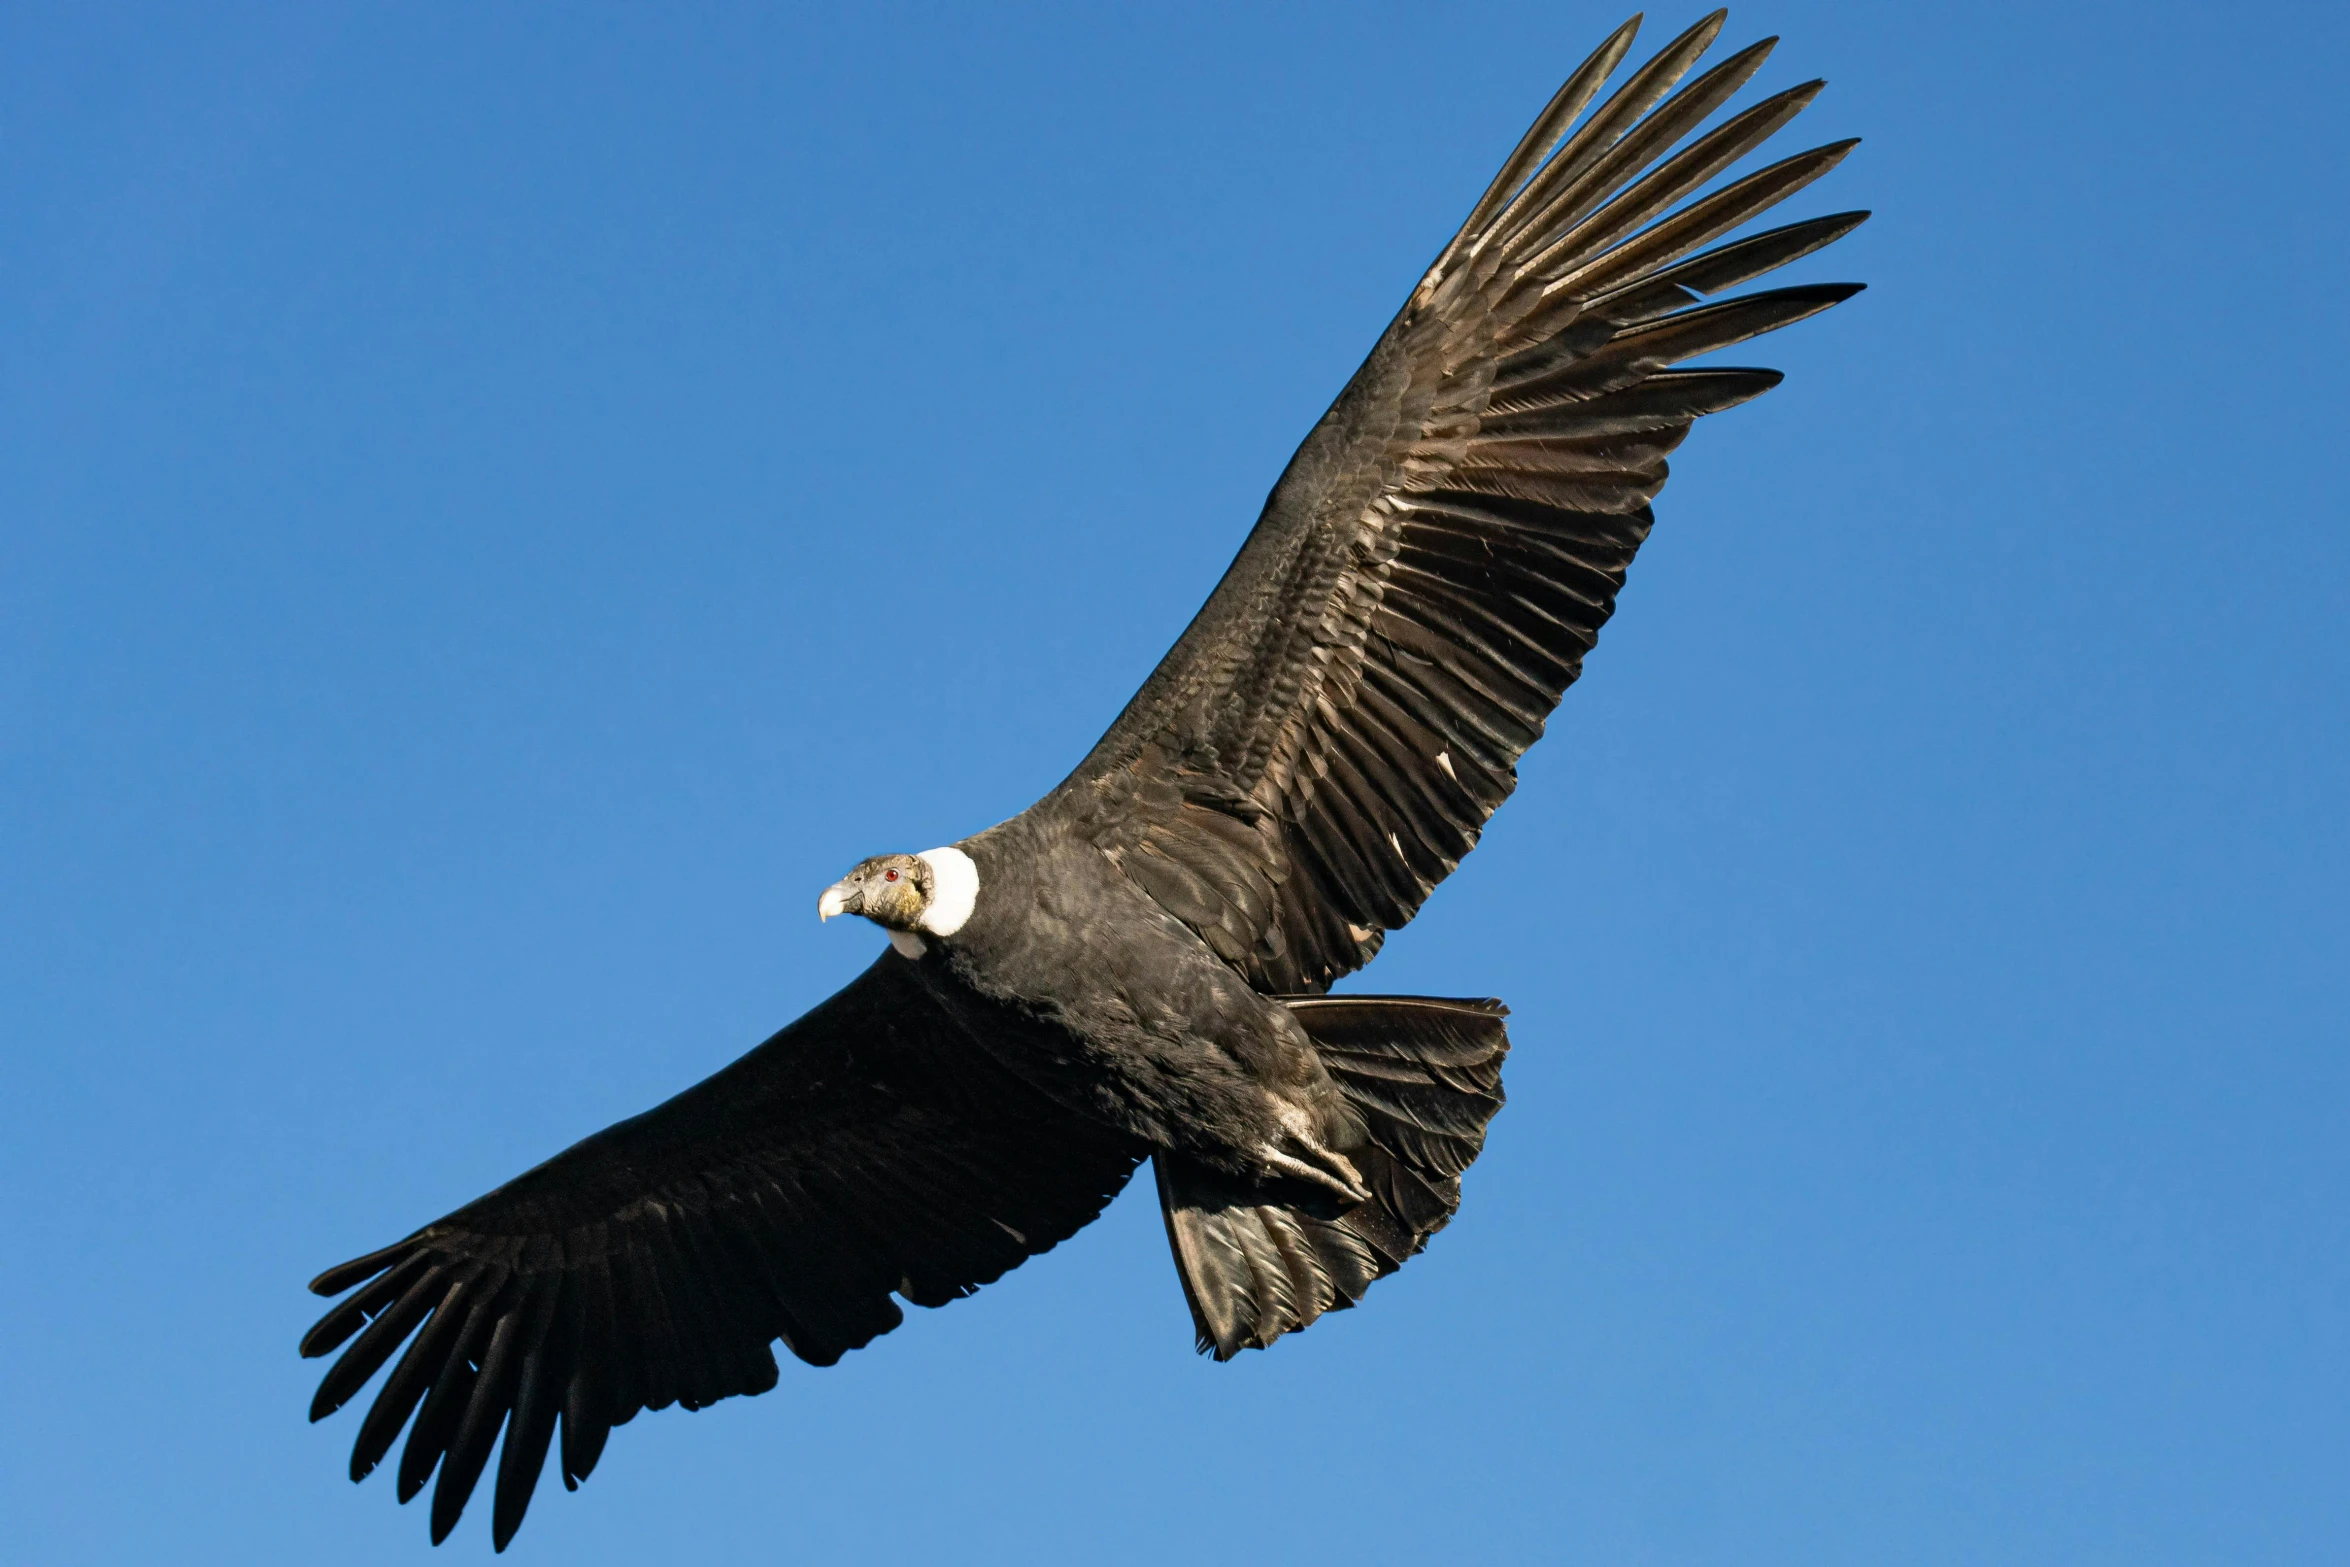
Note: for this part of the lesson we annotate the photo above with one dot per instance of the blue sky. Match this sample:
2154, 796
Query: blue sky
498, 507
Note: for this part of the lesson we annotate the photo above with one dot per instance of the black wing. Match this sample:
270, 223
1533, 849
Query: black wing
872, 1147
1329, 736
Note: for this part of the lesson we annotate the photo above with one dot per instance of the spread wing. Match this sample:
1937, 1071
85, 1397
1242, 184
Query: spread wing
1329, 736
871, 1147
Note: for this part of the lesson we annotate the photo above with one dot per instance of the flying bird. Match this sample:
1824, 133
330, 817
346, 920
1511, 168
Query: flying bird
1137, 966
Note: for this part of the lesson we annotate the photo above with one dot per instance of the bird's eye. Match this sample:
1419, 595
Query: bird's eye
889, 875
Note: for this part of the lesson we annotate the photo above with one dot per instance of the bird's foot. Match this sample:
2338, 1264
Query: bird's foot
1333, 1172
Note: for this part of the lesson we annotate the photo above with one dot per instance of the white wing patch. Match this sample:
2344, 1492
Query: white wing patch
908, 944
954, 890
1444, 760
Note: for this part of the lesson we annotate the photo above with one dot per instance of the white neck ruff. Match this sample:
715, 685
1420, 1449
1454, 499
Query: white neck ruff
954, 890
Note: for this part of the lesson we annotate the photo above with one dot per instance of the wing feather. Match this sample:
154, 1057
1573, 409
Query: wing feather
871, 1150
1443, 550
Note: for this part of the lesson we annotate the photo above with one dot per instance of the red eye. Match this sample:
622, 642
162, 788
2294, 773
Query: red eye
889, 875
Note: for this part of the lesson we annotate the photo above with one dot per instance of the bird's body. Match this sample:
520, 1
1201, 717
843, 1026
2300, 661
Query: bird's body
1137, 966
1162, 1039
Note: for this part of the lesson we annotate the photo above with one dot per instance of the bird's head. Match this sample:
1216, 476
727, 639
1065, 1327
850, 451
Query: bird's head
931, 892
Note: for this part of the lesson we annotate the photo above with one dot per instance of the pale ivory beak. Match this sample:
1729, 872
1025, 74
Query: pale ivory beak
834, 901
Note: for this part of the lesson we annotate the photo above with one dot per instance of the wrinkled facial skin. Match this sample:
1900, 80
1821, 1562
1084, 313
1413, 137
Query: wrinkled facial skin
891, 890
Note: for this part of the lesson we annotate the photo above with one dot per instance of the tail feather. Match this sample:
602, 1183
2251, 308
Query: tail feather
1259, 1261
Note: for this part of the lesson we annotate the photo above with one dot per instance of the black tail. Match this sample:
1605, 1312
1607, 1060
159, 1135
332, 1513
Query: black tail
1425, 1076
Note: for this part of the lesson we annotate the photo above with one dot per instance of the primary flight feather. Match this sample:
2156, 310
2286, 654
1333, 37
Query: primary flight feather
1134, 967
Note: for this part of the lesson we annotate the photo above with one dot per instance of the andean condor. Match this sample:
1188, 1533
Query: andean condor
1134, 967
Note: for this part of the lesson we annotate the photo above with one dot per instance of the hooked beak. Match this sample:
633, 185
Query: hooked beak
839, 898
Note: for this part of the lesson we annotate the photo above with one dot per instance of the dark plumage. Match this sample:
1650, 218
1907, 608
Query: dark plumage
1134, 967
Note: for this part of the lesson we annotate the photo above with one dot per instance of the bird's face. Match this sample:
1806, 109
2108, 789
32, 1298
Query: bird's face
892, 890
